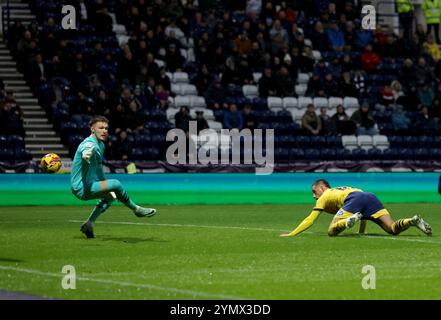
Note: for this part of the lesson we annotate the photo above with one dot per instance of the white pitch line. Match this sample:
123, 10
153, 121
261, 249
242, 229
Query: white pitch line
126, 284
248, 228
183, 225
401, 239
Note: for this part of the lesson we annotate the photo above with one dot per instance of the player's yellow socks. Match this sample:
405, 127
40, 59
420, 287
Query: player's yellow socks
401, 225
337, 227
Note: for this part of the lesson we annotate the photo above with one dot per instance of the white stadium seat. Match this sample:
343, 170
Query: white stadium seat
303, 102
182, 101
197, 102
290, 102
333, 102
301, 89
188, 89
303, 78
320, 102
380, 141
351, 102
365, 142
250, 91
349, 142
274, 102
180, 77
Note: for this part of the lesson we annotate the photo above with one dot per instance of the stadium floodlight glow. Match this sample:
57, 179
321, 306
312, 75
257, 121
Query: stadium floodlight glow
203, 148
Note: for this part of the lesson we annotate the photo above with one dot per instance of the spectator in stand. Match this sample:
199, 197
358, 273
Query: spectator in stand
233, 118
432, 13
319, 38
335, 37
183, 118
346, 87
102, 104
424, 122
267, 85
425, 94
397, 91
423, 72
387, 96
328, 125
285, 84
405, 11
369, 59
11, 121
343, 124
321, 69
162, 96
203, 79
335, 68
278, 35
364, 121
330, 86
408, 74
122, 147
164, 79
174, 59
231, 75
315, 87
400, 121
311, 122
249, 120
215, 95
431, 48
202, 123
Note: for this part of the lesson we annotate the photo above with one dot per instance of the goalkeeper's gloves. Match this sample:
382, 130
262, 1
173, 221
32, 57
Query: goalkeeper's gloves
87, 154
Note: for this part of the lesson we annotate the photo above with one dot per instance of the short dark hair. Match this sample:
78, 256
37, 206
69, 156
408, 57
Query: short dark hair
98, 119
322, 181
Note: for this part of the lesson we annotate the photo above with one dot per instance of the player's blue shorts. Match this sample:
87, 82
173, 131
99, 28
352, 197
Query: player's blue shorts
366, 203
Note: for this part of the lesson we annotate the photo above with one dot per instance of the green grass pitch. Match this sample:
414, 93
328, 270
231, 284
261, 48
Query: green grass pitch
214, 252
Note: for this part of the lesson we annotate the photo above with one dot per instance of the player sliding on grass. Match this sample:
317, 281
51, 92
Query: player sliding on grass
351, 205
88, 181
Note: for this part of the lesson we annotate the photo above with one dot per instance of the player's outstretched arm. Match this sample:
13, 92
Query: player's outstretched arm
87, 153
305, 224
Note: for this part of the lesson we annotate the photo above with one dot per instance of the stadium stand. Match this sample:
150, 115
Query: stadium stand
139, 62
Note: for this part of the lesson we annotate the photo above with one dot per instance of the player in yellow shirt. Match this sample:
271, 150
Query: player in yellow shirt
349, 205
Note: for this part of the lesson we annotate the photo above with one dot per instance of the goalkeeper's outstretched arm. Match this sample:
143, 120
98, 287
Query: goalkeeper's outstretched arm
305, 224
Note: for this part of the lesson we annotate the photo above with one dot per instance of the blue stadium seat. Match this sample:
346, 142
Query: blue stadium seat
136, 154
395, 141
422, 154
296, 154
343, 154
312, 154
425, 141
374, 154
359, 154
303, 141
22, 154
410, 141
333, 141
6, 154
15, 141
3, 141
281, 154
318, 141
328, 154
391, 154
